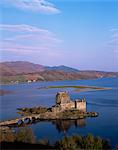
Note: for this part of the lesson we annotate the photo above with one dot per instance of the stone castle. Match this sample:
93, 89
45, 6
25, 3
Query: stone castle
64, 102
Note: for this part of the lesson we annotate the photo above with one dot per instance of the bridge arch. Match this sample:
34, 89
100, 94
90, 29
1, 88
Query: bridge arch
20, 122
27, 120
33, 119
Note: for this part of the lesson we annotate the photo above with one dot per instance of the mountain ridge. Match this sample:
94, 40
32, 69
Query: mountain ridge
62, 68
24, 67
23, 71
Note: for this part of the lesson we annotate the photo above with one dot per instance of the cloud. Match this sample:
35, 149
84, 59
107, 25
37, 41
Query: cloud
113, 40
28, 40
24, 31
42, 6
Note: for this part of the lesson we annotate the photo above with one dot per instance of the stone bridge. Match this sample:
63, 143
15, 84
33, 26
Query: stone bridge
19, 121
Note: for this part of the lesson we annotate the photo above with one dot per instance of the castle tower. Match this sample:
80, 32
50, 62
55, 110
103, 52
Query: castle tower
62, 98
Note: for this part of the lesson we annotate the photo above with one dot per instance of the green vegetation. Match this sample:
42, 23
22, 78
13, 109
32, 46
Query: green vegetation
78, 87
24, 135
75, 142
76, 114
67, 114
7, 136
34, 110
12, 79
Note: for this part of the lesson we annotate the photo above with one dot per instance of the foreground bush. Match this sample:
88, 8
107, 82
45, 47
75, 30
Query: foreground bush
7, 136
78, 142
25, 137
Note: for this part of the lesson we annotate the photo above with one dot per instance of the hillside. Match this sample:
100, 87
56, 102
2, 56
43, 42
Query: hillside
19, 67
21, 71
62, 68
23, 67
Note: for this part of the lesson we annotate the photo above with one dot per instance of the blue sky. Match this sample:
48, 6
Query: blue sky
76, 33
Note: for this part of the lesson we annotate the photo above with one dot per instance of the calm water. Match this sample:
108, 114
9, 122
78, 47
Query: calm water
104, 102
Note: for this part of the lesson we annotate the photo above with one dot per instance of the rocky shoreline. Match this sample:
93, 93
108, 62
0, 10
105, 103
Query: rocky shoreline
47, 116
64, 109
65, 115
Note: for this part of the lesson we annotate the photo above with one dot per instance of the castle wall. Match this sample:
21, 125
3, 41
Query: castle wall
69, 105
62, 98
63, 102
56, 109
80, 105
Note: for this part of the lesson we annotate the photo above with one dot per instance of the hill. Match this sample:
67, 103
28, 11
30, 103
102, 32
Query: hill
62, 68
19, 67
22, 71
23, 67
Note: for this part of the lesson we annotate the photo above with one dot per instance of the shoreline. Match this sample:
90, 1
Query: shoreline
53, 81
47, 116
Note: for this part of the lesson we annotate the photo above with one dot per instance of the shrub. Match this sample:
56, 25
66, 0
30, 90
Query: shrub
25, 135
7, 136
77, 142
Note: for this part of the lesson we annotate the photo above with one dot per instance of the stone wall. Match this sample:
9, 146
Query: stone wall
67, 106
80, 105
63, 102
62, 98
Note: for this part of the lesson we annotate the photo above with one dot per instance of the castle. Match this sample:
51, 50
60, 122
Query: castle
64, 102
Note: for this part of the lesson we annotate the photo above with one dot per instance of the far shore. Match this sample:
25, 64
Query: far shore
25, 82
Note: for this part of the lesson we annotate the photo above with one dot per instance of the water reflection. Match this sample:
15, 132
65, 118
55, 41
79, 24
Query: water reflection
65, 125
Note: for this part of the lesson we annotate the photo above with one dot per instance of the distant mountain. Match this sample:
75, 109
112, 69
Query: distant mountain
62, 68
19, 67
22, 71
23, 67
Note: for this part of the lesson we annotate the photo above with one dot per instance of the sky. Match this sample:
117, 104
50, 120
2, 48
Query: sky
78, 33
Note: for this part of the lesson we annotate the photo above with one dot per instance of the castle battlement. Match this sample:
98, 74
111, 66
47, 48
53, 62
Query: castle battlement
64, 102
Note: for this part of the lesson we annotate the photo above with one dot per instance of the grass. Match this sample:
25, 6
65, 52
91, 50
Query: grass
78, 87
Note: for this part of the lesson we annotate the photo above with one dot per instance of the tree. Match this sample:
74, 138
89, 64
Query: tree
77, 142
25, 135
7, 136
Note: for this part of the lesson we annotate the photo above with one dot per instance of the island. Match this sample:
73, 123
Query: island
77, 88
64, 109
